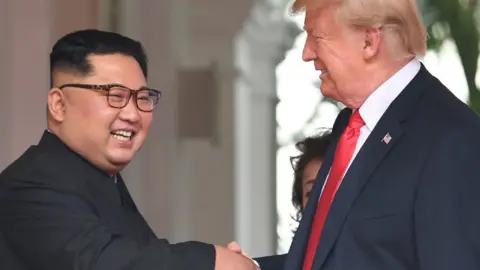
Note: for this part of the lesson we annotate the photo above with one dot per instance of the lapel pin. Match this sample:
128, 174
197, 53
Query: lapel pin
387, 138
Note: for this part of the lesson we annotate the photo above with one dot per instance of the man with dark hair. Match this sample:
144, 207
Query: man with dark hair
63, 203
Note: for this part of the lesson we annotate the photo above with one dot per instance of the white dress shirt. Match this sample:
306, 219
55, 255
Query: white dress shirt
378, 102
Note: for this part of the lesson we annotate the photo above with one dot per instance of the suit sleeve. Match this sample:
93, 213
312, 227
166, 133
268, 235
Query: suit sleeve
275, 262
55, 230
447, 216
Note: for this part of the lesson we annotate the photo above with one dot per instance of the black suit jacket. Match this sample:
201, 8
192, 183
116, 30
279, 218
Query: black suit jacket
410, 204
58, 212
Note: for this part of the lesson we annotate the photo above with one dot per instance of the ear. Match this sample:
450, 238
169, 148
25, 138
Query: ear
56, 104
371, 42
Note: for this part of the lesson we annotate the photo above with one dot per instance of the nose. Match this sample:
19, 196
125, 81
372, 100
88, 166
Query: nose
130, 113
308, 53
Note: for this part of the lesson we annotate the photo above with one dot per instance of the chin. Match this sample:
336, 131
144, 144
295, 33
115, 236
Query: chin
326, 92
329, 91
121, 158
121, 161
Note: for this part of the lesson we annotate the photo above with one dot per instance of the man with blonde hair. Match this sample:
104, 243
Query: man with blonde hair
399, 186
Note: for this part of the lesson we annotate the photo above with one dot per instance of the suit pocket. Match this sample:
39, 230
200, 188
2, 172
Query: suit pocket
377, 212
392, 228
379, 215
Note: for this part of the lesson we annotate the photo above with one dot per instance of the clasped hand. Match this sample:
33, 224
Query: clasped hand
233, 258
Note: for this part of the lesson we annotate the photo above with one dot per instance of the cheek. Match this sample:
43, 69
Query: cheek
319, 51
96, 109
339, 67
146, 119
330, 58
304, 201
99, 117
82, 115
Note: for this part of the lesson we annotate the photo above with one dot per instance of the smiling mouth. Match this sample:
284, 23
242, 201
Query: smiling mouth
123, 135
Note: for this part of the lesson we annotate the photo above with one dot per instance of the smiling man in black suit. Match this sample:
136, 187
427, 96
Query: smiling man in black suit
63, 203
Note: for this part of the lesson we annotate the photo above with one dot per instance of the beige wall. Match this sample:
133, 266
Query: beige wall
5, 85
23, 74
68, 15
194, 175
28, 29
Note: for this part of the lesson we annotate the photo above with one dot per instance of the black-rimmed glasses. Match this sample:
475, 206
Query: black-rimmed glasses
118, 95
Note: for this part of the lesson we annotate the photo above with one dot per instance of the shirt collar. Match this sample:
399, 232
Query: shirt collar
378, 102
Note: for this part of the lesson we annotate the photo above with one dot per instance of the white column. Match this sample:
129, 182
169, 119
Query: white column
208, 172
259, 48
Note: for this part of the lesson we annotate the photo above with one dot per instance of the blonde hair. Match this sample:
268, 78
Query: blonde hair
399, 20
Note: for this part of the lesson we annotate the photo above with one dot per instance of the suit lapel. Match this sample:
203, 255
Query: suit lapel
297, 249
371, 155
125, 196
98, 181
367, 160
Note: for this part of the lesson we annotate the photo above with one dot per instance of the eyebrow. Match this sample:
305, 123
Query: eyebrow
309, 182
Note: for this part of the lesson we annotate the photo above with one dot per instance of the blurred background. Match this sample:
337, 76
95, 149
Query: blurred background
237, 96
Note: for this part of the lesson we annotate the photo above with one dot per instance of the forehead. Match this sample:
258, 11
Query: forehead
311, 169
116, 68
318, 19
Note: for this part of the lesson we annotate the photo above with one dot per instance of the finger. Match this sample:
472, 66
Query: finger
235, 247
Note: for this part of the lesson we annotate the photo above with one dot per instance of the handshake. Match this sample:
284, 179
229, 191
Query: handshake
233, 258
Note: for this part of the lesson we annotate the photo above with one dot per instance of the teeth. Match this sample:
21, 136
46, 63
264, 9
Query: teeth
121, 138
123, 135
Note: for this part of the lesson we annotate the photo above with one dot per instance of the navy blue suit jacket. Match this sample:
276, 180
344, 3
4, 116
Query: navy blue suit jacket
411, 204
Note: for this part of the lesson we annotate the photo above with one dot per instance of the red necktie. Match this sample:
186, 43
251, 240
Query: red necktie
343, 155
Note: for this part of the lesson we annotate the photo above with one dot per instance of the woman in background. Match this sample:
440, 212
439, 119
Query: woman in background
306, 167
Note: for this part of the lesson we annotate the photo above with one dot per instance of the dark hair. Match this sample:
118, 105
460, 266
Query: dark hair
311, 148
72, 50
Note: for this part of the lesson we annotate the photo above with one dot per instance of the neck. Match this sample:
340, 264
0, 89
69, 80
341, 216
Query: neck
110, 170
377, 75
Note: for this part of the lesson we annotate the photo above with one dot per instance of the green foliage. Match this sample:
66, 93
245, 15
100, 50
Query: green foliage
458, 20
438, 32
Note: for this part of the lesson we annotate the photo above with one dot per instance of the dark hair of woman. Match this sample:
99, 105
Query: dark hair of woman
311, 149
